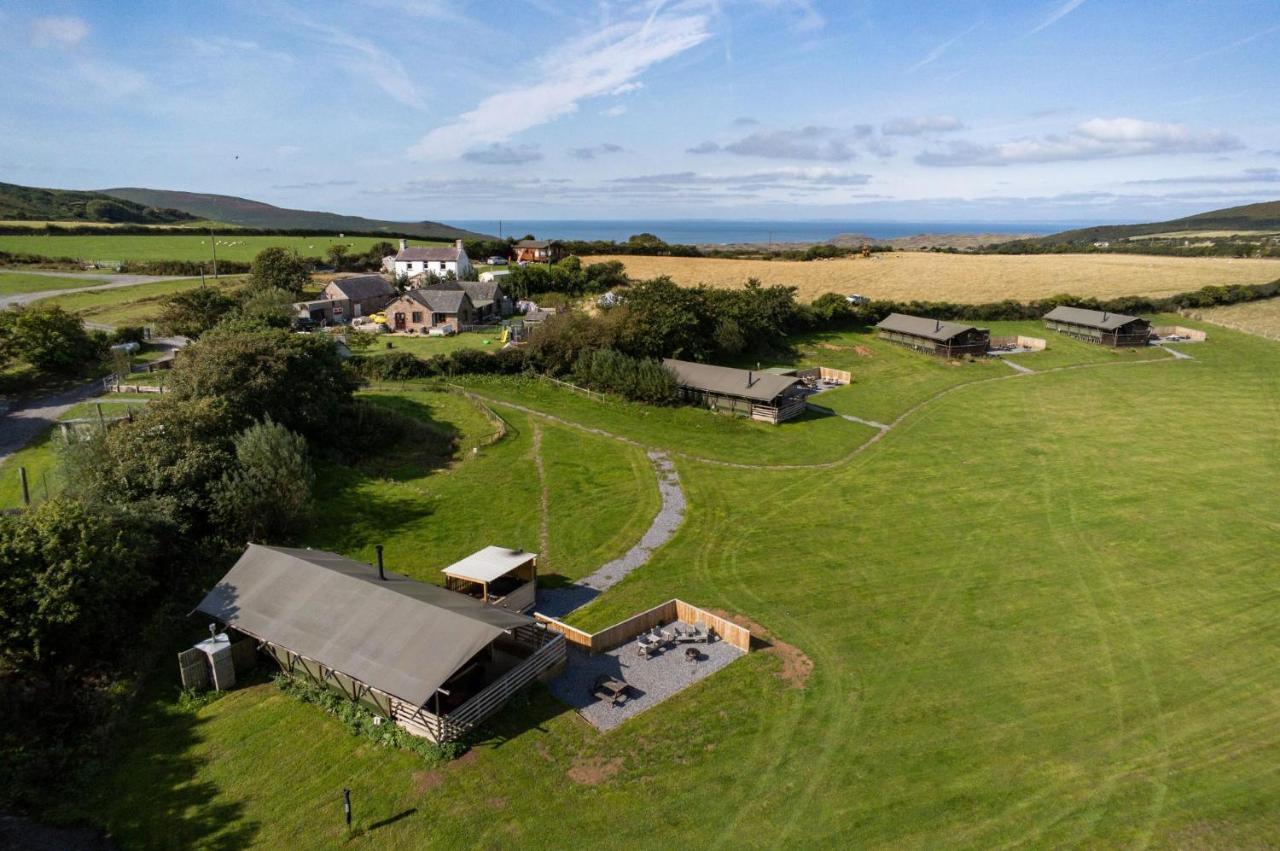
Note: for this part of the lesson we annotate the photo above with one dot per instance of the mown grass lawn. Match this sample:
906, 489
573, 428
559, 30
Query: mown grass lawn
1037, 615
13, 283
134, 305
425, 347
241, 248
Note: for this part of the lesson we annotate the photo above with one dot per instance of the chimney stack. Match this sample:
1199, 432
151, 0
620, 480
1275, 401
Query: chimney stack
457, 243
381, 575
404, 243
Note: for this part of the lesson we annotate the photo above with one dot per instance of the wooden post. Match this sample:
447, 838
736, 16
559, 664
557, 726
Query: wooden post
101, 419
22, 477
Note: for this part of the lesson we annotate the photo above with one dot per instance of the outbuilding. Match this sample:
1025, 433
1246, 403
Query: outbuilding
496, 576
432, 660
366, 294
750, 393
948, 339
1099, 326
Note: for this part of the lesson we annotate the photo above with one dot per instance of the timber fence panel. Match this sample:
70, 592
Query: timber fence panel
193, 667
624, 631
730, 632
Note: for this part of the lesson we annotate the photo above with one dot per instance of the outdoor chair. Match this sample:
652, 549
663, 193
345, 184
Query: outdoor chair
645, 647
691, 654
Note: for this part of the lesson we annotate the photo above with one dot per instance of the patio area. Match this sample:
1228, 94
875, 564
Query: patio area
649, 679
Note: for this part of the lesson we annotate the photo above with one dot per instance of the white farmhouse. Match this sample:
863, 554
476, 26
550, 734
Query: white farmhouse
416, 262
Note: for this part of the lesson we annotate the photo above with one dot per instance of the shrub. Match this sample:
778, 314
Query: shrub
267, 495
638, 379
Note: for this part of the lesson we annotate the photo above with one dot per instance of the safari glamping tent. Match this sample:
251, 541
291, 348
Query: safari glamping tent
432, 660
1099, 326
947, 339
759, 395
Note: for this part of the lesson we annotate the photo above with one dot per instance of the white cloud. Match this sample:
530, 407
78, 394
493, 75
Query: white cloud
590, 153
807, 17
1057, 14
57, 31
920, 125
114, 81
614, 111
1249, 175
586, 68
1097, 138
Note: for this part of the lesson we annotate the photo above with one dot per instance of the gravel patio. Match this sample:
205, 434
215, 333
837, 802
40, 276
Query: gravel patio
650, 680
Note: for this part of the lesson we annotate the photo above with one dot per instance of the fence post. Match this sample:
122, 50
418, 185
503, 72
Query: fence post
22, 476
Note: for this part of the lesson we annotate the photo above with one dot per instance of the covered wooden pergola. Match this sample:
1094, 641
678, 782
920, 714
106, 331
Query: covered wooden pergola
497, 576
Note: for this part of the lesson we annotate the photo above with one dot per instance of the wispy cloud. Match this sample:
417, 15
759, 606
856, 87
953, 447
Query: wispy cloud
822, 144
590, 153
363, 58
500, 154
1097, 138
922, 124
313, 184
114, 81
806, 17
1056, 15
934, 55
1249, 175
58, 31
589, 67
1235, 45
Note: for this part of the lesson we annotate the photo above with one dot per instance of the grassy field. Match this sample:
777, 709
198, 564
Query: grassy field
965, 278
425, 347
13, 283
1254, 317
134, 305
195, 247
1040, 610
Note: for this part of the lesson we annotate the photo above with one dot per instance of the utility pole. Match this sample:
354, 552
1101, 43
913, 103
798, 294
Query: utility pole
213, 240
499, 229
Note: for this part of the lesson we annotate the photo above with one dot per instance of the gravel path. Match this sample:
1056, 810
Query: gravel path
1019, 367
24, 423
558, 602
1177, 354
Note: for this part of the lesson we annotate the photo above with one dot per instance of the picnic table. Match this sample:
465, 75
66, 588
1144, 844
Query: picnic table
611, 688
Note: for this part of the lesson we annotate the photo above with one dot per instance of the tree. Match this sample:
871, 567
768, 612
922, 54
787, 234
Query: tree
279, 268
337, 253
71, 577
272, 308
47, 337
191, 313
267, 495
296, 379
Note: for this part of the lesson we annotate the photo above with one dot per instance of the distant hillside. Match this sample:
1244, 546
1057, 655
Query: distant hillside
29, 203
1250, 217
255, 214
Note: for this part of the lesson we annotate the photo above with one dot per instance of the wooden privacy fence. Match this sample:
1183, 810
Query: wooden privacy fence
1193, 334
623, 631
1035, 344
826, 373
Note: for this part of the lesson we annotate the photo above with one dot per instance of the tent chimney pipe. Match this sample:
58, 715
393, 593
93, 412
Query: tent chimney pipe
381, 575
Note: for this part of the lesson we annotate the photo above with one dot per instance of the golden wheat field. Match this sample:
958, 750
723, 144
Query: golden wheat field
971, 278
1255, 317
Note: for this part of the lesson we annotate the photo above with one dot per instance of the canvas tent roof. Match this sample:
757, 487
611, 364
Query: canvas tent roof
403, 637
488, 564
922, 326
727, 381
1102, 319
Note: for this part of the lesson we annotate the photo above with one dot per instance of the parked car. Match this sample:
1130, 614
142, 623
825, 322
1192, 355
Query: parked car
497, 261
441, 331
856, 299
305, 323
369, 325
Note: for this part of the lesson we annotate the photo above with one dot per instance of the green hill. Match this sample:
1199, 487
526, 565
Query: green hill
255, 214
1250, 217
29, 203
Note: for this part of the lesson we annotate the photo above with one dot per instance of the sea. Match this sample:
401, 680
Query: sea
724, 231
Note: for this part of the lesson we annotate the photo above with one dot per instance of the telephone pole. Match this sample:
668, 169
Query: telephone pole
213, 240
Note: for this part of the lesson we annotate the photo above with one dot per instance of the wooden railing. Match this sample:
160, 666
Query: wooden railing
660, 615
463, 719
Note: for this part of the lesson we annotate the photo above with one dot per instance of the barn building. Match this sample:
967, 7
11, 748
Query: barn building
1099, 326
759, 395
434, 661
948, 339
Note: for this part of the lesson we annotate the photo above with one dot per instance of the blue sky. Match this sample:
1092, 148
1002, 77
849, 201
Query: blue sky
787, 109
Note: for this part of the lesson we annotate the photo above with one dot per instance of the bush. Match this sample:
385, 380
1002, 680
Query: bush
129, 334
361, 721
267, 495
49, 338
279, 268
638, 379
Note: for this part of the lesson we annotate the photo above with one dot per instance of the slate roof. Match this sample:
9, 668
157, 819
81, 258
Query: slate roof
439, 299
922, 326
1101, 319
746, 384
363, 287
449, 254
403, 637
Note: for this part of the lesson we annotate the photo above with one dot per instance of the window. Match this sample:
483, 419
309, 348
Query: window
417, 316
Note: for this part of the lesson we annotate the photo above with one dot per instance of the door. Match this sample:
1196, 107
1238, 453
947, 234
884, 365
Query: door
399, 321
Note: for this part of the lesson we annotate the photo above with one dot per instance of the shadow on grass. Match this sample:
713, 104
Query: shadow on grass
153, 794
392, 819
528, 710
349, 516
